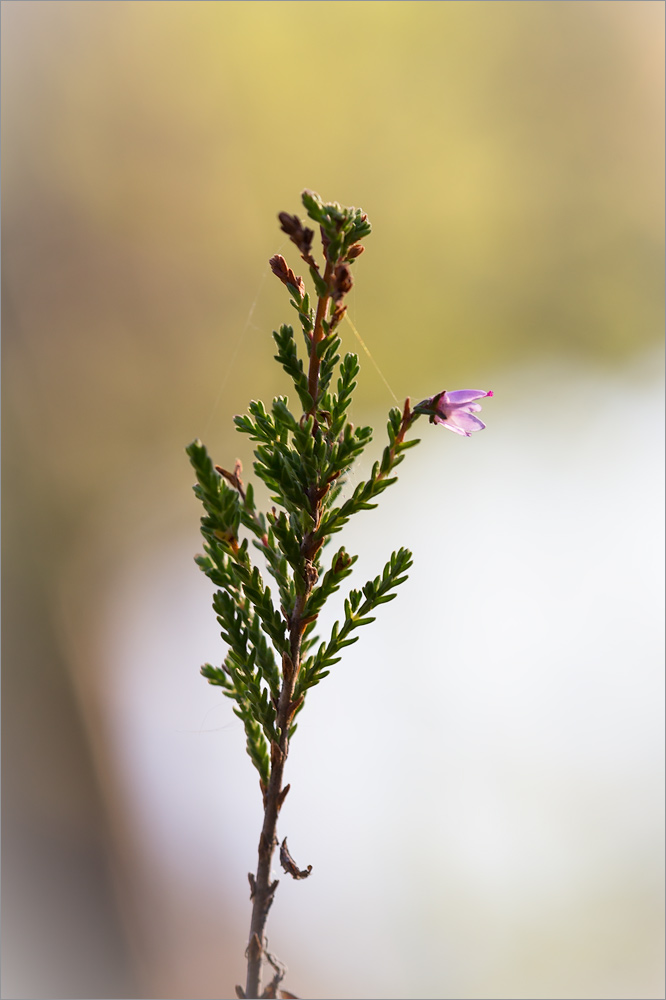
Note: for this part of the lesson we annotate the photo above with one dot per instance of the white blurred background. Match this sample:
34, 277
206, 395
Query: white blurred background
478, 784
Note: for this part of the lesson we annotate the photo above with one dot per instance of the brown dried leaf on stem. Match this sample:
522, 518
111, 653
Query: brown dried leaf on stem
290, 865
233, 477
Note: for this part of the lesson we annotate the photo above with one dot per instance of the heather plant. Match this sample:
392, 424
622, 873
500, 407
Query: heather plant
303, 454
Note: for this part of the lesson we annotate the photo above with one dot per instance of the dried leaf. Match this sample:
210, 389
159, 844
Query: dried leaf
290, 865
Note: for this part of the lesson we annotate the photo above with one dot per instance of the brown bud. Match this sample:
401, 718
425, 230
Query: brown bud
281, 270
278, 266
337, 315
299, 234
355, 251
342, 281
289, 224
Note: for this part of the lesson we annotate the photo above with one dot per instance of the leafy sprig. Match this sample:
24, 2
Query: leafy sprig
357, 613
274, 656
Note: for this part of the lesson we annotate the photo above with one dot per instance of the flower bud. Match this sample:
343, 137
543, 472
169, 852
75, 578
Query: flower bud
281, 270
299, 234
355, 251
455, 410
342, 281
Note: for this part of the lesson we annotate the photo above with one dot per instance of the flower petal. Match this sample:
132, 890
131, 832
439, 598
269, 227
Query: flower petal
467, 422
452, 427
459, 396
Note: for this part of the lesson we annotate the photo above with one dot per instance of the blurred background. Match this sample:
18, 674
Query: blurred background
479, 783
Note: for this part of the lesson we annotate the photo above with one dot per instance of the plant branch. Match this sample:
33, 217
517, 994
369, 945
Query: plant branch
271, 662
262, 889
318, 335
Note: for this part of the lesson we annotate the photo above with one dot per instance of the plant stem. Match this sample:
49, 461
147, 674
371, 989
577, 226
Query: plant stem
317, 335
262, 889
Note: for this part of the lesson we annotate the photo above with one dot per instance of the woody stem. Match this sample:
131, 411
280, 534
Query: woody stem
262, 889
318, 334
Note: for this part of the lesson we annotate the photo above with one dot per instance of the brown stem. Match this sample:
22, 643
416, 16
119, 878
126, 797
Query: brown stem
262, 889
317, 336
408, 418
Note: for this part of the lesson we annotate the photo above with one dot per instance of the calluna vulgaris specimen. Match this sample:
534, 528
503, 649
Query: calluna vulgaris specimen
274, 656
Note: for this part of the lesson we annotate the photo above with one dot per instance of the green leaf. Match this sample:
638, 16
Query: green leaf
356, 614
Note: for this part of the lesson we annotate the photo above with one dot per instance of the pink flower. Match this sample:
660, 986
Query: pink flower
455, 410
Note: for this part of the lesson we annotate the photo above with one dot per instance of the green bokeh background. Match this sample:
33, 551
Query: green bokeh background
508, 154
510, 158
